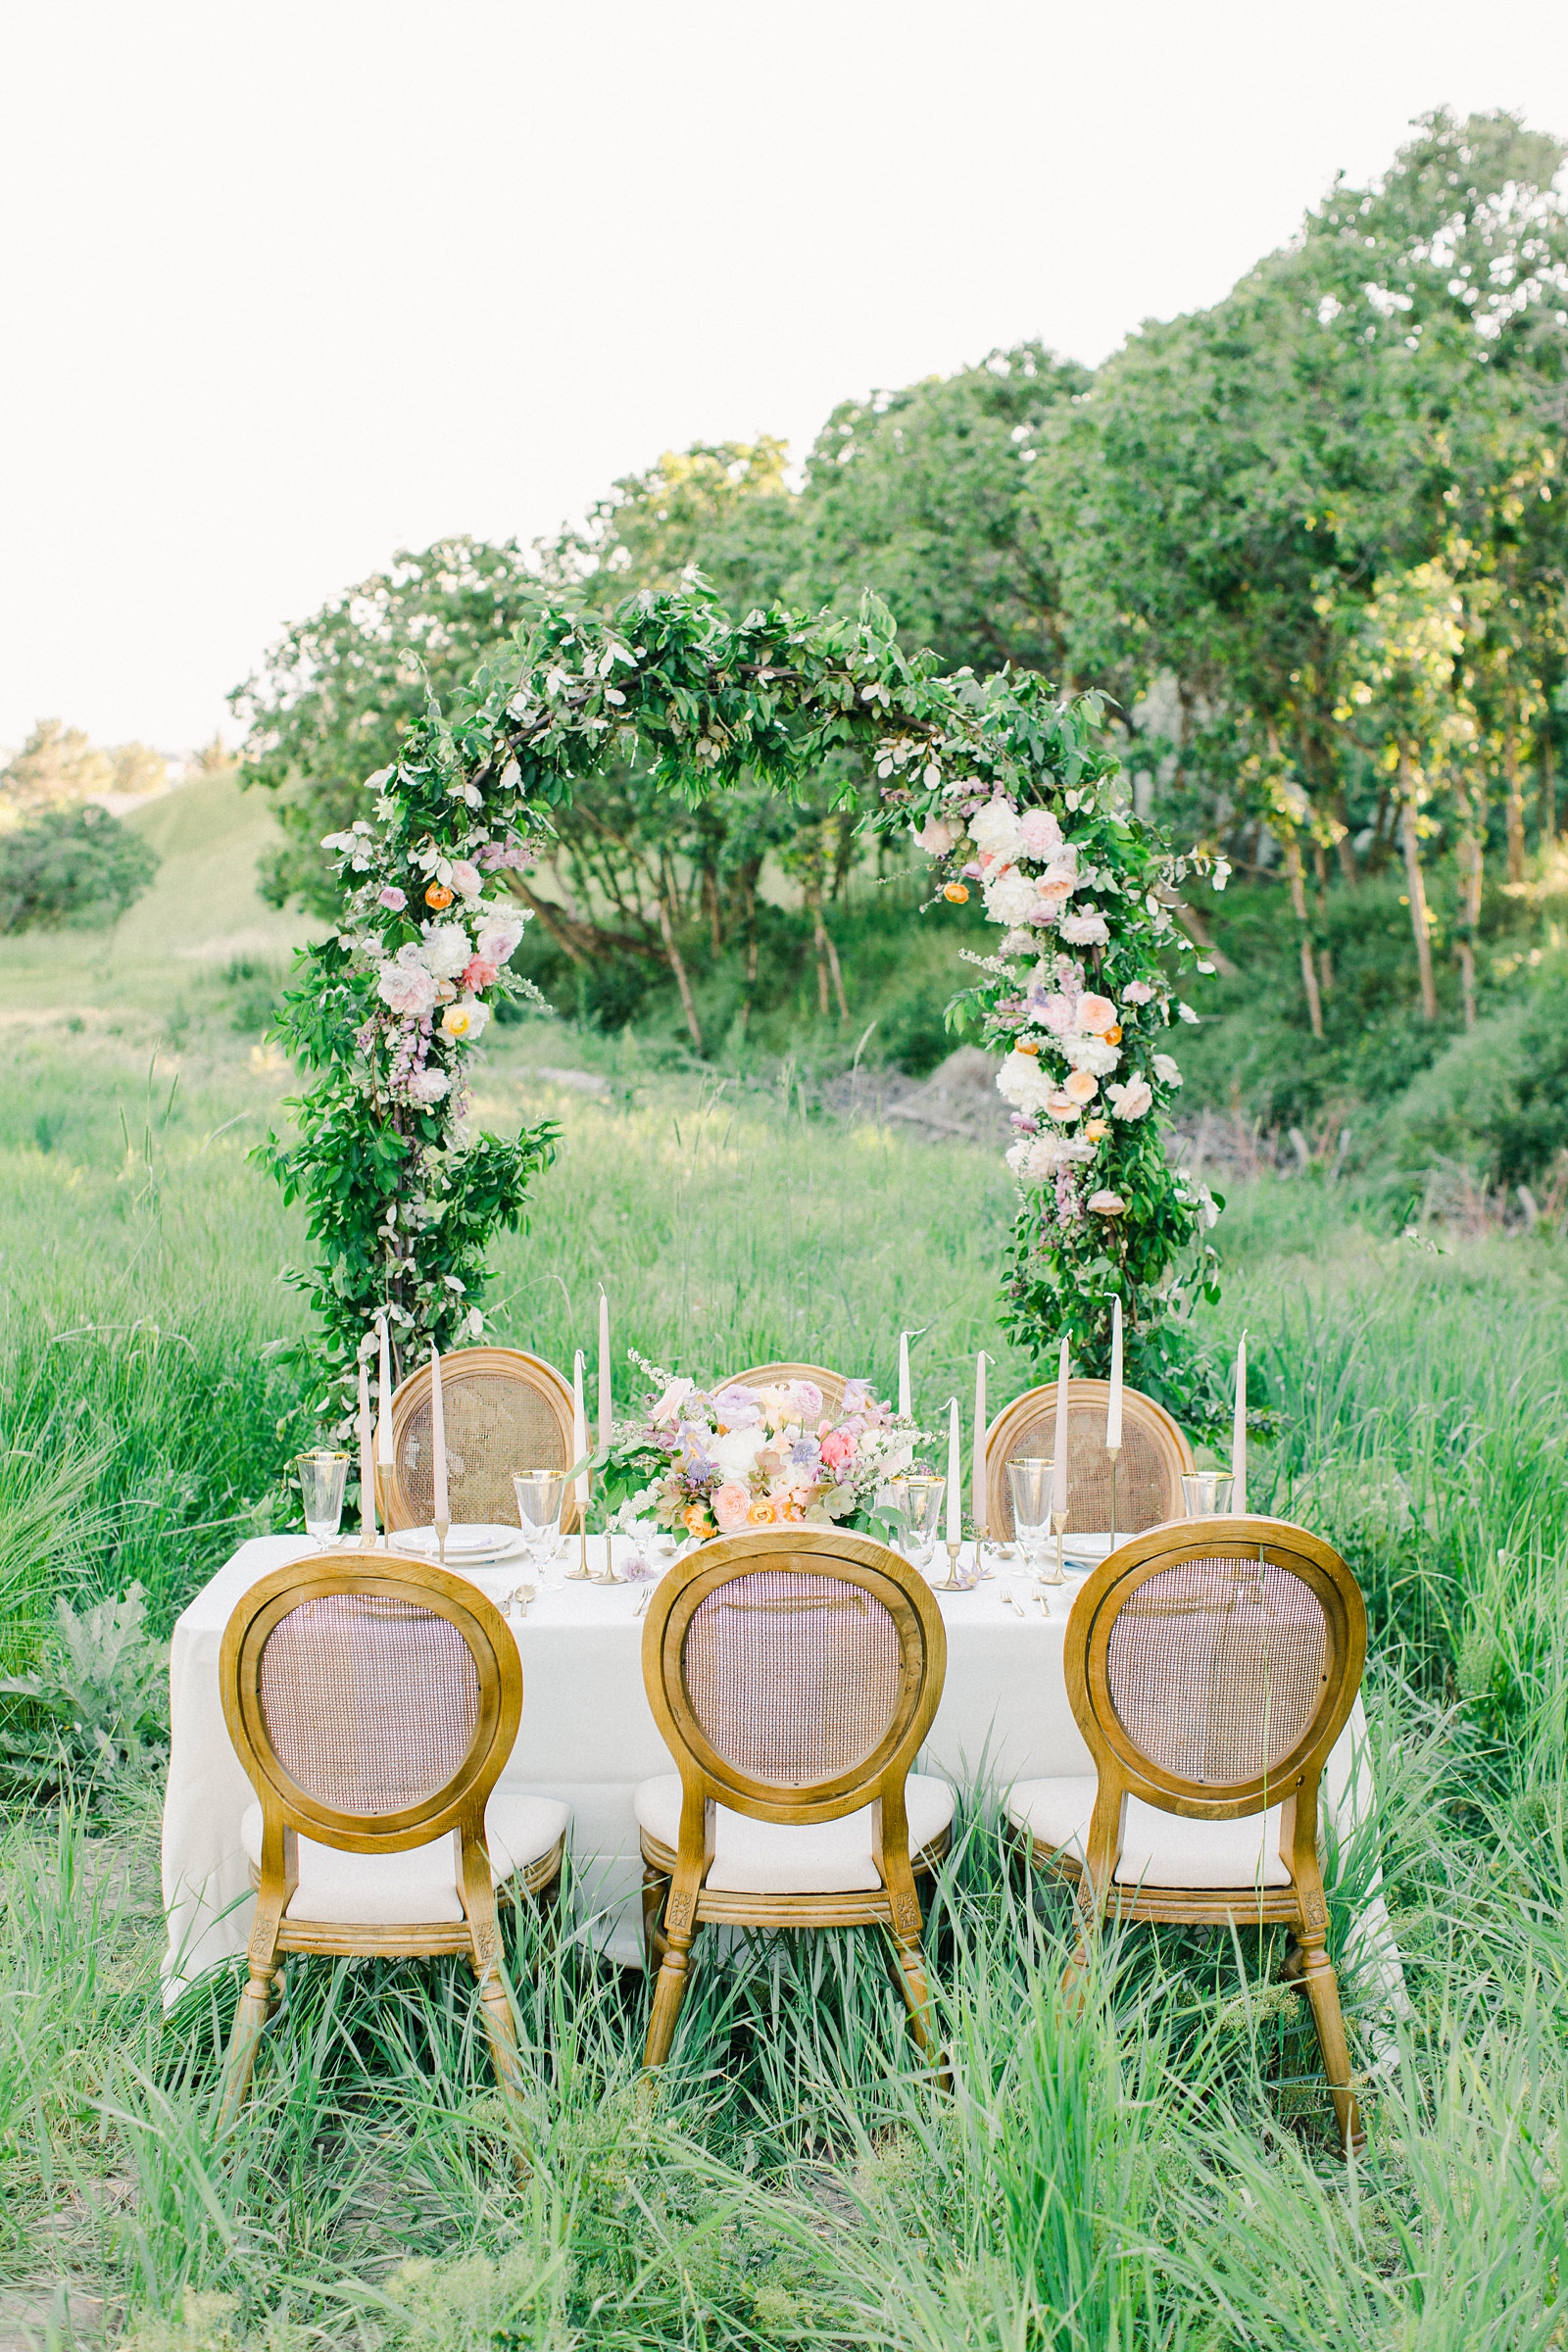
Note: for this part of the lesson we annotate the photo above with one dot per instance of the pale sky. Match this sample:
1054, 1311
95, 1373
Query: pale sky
290, 285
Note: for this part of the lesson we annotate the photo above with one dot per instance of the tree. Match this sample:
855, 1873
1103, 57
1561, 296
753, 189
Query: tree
71, 865
54, 767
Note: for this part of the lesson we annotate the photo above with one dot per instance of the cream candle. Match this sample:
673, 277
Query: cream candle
978, 1508
1058, 1472
579, 1432
366, 1463
606, 1414
1113, 1407
384, 1401
438, 1446
955, 1473
1239, 1433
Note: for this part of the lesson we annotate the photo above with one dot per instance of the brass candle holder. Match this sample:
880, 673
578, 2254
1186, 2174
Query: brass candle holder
582, 1574
609, 1576
953, 1582
1059, 1524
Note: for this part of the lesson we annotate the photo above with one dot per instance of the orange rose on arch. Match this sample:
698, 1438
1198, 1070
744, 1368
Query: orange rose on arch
958, 892
438, 895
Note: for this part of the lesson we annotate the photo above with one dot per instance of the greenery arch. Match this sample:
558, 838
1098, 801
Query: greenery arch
1009, 791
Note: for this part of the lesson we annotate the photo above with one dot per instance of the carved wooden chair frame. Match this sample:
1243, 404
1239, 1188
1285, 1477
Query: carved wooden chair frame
1138, 1411
289, 1811
465, 1364
774, 1376
673, 1880
1124, 1770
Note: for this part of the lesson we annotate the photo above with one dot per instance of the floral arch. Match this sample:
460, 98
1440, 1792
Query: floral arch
1009, 791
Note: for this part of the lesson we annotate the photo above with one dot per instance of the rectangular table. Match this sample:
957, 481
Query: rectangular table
588, 1737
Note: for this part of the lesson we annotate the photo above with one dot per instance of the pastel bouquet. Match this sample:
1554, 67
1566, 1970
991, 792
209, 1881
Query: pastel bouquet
703, 1463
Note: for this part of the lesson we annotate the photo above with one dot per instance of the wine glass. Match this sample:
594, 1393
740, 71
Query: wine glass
322, 1476
1030, 1476
1206, 1493
923, 1508
540, 1493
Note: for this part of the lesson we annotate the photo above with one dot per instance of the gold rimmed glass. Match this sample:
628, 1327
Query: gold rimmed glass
540, 1495
1206, 1493
1030, 1476
322, 1476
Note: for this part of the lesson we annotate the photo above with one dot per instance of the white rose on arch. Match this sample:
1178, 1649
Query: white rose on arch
996, 830
1011, 897
499, 938
1091, 1054
1132, 1100
1086, 929
1022, 1082
407, 984
447, 949
1167, 1070
466, 1020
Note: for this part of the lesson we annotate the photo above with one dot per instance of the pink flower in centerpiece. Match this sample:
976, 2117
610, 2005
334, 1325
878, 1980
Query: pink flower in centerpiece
392, 897
838, 1449
477, 974
807, 1397
731, 1508
1042, 835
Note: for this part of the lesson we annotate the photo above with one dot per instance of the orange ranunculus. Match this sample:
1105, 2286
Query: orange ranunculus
1096, 1130
1112, 1035
696, 1519
763, 1514
438, 895
958, 892
1026, 1045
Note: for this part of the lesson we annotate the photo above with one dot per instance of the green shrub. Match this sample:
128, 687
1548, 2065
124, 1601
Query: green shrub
71, 865
96, 1707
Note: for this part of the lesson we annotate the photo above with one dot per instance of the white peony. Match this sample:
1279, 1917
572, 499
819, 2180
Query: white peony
1011, 897
407, 984
446, 949
1166, 1070
499, 937
736, 1451
1035, 1159
467, 1019
1022, 1082
427, 1086
1088, 929
1130, 1101
1091, 1054
996, 830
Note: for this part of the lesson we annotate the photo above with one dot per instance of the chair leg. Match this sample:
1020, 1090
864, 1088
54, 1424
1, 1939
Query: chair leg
654, 1882
250, 2013
669, 1985
904, 1925
500, 2031
1308, 1965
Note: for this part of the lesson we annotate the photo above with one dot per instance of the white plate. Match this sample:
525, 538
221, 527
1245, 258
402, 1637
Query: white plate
472, 1543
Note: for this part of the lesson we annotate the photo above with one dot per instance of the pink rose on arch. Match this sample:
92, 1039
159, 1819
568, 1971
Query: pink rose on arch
1085, 930
730, 1508
936, 837
1056, 1012
1137, 992
838, 1449
465, 877
1042, 835
392, 897
477, 974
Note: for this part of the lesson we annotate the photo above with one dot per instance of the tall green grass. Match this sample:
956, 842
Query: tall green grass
1158, 2172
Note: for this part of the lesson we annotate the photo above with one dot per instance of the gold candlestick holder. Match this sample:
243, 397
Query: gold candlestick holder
610, 1577
953, 1581
443, 1529
1114, 1452
582, 1574
1059, 1524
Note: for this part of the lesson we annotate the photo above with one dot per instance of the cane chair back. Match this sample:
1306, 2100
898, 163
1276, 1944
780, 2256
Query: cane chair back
505, 1412
1154, 1457
1212, 1666
372, 1709
793, 1674
776, 1376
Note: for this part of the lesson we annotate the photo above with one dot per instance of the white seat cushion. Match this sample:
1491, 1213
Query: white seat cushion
419, 1888
1159, 1849
774, 1857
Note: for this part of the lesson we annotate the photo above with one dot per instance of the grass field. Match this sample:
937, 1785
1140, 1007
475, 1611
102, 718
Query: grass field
1157, 2174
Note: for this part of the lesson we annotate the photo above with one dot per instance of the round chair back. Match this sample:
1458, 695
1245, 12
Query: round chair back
1148, 1472
505, 1411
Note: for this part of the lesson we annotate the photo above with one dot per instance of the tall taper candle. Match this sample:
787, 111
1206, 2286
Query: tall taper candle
384, 1401
367, 1462
579, 1430
955, 1473
1114, 1408
604, 1405
1058, 1471
438, 1443
1239, 1433
978, 1511
903, 1374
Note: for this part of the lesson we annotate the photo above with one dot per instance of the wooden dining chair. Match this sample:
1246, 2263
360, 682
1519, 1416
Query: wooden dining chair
1212, 1667
774, 1376
1148, 1472
505, 1411
793, 1674
373, 1708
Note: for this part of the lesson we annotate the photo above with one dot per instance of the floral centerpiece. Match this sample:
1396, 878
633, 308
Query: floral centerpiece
702, 1463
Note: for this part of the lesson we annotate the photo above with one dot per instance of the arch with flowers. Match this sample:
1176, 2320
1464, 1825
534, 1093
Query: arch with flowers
1009, 790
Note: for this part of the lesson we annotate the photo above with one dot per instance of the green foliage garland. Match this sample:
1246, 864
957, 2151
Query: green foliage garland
1005, 786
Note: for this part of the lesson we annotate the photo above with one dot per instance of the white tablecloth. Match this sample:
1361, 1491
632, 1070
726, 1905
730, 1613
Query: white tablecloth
588, 1737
